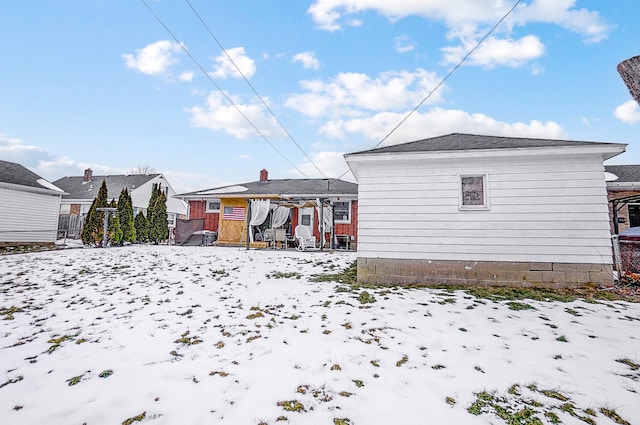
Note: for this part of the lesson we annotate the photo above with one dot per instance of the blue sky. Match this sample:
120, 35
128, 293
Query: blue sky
102, 84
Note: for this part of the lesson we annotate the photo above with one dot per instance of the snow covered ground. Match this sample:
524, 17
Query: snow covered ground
209, 335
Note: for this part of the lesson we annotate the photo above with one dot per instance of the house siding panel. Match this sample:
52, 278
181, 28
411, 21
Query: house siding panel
35, 221
197, 209
551, 209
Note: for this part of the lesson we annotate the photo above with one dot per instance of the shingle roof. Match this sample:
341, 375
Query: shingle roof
625, 173
13, 173
310, 187
79, 189
461, 141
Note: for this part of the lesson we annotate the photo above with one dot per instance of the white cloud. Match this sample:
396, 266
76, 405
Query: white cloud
565, 14
307, 59
353, 93
154, 59
219, 115
403, 44
224, 68
331, 163
628, 112
44, 163
186, 76
466, 20
436, 122
494, 51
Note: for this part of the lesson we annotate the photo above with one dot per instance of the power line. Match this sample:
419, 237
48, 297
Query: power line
458, 65
237, 108
252, 87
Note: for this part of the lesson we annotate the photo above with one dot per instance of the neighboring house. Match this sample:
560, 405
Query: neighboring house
623, 186
225, 210
29, 206
82, 190
483, 210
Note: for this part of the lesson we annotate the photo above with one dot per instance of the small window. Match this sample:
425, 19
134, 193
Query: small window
171, 219
342, 212
213, 206
473, 192
306, 220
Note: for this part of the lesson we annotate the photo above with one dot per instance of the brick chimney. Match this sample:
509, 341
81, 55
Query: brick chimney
88, 174
264, 175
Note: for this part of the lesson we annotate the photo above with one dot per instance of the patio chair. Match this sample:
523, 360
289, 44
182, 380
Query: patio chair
306, 241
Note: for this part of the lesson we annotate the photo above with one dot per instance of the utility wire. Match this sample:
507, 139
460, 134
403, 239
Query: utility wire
458, 65
252, 87
219, 88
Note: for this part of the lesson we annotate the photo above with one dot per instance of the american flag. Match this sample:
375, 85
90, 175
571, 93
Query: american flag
233, 213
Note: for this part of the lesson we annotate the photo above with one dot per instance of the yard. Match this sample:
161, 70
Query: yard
195, 335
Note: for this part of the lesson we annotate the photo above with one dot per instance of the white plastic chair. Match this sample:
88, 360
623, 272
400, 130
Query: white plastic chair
306, 241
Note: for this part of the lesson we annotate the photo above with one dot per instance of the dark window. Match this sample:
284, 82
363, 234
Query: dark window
306, 220
342, 212
213, 206
634, 215
472, 191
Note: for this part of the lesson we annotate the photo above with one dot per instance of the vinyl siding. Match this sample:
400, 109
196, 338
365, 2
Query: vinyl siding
28, 217
542, 209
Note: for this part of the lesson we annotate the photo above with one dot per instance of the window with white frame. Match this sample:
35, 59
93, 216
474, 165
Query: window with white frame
342, 211
171, 219
213, 206
473, 192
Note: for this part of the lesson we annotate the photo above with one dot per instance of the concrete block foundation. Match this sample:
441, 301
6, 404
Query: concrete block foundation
387, 271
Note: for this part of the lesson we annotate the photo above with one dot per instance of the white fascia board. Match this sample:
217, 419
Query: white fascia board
605, 151
31, 189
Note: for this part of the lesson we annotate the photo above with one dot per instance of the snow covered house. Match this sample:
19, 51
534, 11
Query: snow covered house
484, 210
29, 206
230, 210
82, 190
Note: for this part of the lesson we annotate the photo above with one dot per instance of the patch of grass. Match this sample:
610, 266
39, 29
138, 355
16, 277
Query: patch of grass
366, 298
57, 342
633, 365
255, 315
284, 275
438, 367
292, 406
450, 400
358, 383
137, 418
478, 368
9, 312
220, 373
106, 373
562, 338
343, 421
613, 415
552, 417
347, 276
185, 339
572, 312
555, 394
402, 361
336, 367
345, 394
75, 380
514, 305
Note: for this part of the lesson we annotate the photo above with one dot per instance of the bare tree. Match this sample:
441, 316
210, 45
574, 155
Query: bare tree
145, 169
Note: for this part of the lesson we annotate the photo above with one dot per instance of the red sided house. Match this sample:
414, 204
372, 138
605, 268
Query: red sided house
249, 212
